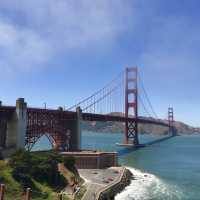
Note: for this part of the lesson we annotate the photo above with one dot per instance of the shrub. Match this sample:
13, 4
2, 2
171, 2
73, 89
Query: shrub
21, 161
69, 162
39, 166
3, 165
1, 156
24, 179
2, 179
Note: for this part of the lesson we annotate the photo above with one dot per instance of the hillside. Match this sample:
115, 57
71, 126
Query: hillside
46, 173
118, 127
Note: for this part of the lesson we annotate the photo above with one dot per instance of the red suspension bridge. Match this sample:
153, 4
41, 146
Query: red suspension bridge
124, 100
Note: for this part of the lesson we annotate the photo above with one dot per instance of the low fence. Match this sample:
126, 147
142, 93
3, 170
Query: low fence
25, 196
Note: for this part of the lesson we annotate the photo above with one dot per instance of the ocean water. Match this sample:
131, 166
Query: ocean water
168, 170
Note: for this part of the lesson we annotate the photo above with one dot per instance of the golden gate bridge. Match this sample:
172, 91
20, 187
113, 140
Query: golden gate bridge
124, 99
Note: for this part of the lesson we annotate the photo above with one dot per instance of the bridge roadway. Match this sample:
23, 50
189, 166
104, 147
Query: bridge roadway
7, 111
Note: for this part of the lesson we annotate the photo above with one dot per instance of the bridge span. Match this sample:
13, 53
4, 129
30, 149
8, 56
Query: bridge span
22, 126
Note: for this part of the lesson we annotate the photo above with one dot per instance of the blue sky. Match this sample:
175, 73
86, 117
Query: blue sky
59, 51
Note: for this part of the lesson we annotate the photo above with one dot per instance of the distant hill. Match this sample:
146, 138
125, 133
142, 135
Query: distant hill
118, 127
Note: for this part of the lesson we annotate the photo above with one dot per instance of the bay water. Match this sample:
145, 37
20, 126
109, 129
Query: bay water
167, 170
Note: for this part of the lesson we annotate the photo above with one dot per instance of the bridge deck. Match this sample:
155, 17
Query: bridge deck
99, 117
6, 111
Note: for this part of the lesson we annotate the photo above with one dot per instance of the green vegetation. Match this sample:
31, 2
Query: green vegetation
81, 193
72, 173
41, 167
1, 156
39, 171
69, 162
15, 190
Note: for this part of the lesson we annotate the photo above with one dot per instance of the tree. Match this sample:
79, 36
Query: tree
39, 166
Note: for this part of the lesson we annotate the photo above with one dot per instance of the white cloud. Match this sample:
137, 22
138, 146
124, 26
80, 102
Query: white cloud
21, 48
33, 32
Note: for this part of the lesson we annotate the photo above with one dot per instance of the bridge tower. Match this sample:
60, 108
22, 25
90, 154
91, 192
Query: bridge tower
16, 126
131, 105
171, 120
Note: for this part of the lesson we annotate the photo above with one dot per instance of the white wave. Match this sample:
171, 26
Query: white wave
149, 187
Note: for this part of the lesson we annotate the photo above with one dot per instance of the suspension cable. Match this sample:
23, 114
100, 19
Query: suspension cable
98, 92
146, 95
143, 105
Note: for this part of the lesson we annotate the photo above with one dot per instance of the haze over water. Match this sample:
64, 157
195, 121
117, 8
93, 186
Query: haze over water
168, 170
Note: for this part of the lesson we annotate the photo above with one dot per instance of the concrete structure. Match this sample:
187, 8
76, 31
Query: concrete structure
21, 127
104, 184
75, 128
16, 126
93, 160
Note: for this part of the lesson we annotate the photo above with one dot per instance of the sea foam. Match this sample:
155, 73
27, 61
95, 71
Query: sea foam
147, 186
